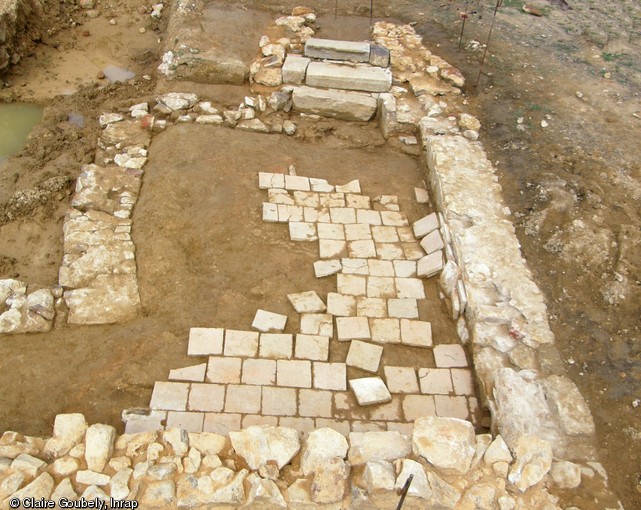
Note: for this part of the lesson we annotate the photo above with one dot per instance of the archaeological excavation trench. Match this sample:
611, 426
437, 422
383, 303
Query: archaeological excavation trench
339, 279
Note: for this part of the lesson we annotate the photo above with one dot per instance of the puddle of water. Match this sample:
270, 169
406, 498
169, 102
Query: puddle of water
76, 119
16, 121
115, 73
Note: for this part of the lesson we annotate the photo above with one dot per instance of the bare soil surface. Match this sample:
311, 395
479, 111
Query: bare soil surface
560, 107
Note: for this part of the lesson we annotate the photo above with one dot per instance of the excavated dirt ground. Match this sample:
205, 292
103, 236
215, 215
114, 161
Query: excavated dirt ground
574, 187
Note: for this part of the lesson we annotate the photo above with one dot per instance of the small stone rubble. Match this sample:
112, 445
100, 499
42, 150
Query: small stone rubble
22, 312
277, 467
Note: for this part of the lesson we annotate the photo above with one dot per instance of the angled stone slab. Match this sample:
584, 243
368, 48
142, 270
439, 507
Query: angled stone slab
194, 373
370, 391
337, 50
430, 265
307, 302
348, 77
338, 104
269, 321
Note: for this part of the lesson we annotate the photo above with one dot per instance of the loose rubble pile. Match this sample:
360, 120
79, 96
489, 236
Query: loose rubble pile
22, 312
272, 467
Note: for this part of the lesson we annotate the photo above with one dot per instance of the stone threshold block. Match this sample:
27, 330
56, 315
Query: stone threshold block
337, 50
348, 77
354, 106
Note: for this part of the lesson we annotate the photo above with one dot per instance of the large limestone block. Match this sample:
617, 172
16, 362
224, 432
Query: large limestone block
321, 446
337, 50
294, 69
347, 77
384, 445
446, 443
571, 407
68, 431
353, 106
533, 461
260, 444
99, 446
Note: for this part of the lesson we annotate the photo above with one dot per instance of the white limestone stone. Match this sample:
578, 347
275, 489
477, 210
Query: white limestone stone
337, 50
422, 197
425, 225
378, 445
379, 476
533, 461
194, 373
341, 305
403, 308
317, 324
416, 333
446, 443
352, 106
312, 347
364, 355
269, 321
68, 431
370, 391
350, 328
259, 445
205, 341
29, 465
268, 180
270, 213
294, 69
419, 487
565, 474
307, 302
64, 490
497, 452
329, 248
88, 477
321, 446
432, 242
350, 187
99, 444
119, 484
324, 268
297, 183
430, 265
301, 231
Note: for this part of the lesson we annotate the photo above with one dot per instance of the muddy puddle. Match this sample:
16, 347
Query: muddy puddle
16, 121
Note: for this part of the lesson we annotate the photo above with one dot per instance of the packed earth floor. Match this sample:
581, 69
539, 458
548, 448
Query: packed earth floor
559, 113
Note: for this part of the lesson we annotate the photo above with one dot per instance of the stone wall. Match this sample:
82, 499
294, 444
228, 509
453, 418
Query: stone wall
17, 29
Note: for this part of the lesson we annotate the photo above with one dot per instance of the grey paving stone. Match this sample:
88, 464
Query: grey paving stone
276, 345
401, 379
312, 347
364, 355
294, 373
205, 341
223, 370
450, 355
350, 328
268, 321
279, 401
370, 391
260, 372
170, 396
207, 397
243, 398
307, 302
330, 376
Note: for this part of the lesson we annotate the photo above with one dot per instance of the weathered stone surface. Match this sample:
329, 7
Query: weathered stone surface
68, 431
383, 445
65, 466
253, 125
572, 409
178, 100
264, 494
269, 76
29, 465
446, 443
533, 461
99, 446
295, 68
497, 452
370, 391
41, 487
119, 484
64, 490
88, 477
178, 439
379, 55
430, 265
419, 487
565, 474
259, 445
331, 103
379, 476
331, 481
321, 446
158, 494
347, 77
337, 50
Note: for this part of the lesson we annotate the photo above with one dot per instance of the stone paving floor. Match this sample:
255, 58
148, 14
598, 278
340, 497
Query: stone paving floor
265, 376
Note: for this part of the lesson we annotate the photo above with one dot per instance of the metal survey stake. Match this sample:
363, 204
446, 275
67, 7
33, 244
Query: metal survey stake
406, 488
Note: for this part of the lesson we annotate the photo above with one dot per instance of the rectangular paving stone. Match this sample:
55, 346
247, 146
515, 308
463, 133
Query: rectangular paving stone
330, 376
416, 333
279, 401
267, 180
150, 422
390, 411
416, 406
370, 391
404, 268
221, 423
432, 242
364, 355
306, 198
317, 324
341, 305
301, 231
250, 420
342, 215
311, 215
368, 426
312, 347
351, 284
401, 379
337, 50
451, 407
331, 249
294, 68
402, 308
430, 265
206, 397
270, 213
402, 427
260, 372
324, 268
302, 425
267, 321
223, 370
385, 234
413, 251
368, 217
350, 328
394, 218
358, 232
361, 249
297, 183
241, 343
280, 196
331, 199
191, 422
381, 287
341, 426
450, 355
333, 231
425, 225
463, 381
195, 373
294, 373
315, 403
276, 345
410, 288
406, 234
289, 213
243, 398
205, 341
371, 307
169, 396
385, 331
390, 251
435, 381
357, 201
307, 302
380, 267
355, 266
364, 78
321, 185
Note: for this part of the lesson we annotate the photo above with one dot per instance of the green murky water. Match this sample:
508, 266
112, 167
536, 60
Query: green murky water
16, 121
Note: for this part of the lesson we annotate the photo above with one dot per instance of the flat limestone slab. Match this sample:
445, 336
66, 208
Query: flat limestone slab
370, 391
337, 50
338, 104
294, 69
340, 76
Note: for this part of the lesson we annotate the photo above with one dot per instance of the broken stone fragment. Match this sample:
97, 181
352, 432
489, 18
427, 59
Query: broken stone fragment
178, 100
370, 391
259, 445
533, 461
68, 431
99, 444
377, 445
321, 446
448, 444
